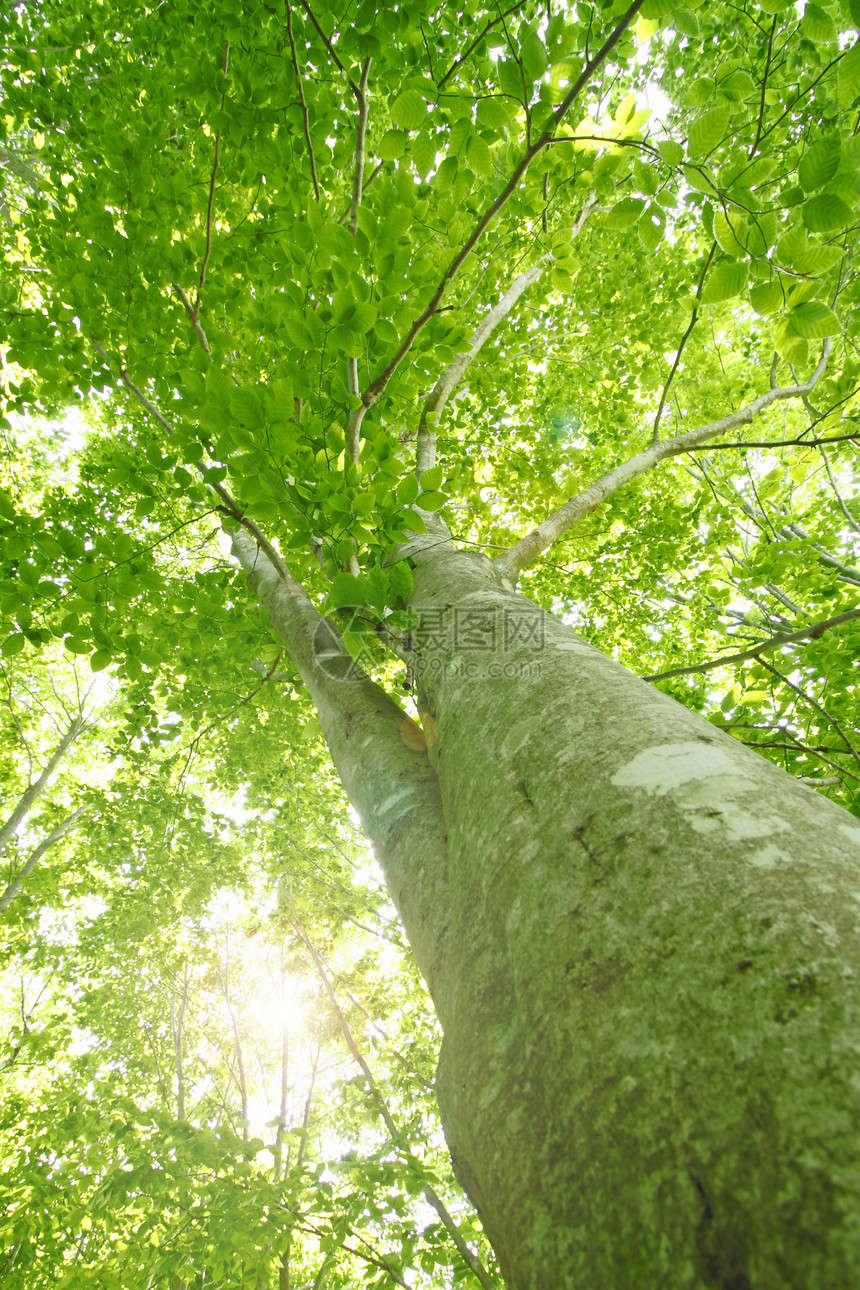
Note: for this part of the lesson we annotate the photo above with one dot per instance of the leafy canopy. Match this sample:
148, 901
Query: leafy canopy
325, 270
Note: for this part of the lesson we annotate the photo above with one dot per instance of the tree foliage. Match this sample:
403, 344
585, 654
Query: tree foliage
581, 278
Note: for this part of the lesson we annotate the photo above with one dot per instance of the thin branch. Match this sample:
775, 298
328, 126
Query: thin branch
773, 642
430, 1195
374, 391
843, 508
325, 40
356, 415
764, 88
813, 703
360, 149
458, 62
303, 104
778, 443
194, 319
438, 397
686, 336
208, 250
522, 553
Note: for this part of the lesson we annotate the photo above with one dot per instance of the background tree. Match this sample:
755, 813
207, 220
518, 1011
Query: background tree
403, 300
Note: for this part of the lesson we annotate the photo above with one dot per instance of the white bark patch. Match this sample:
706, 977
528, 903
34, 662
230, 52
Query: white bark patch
768, 857
852, 833
668, 766
705, 782
390, 802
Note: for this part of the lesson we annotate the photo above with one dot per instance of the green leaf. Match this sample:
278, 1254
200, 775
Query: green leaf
652, 226
848, 76
13, 644
533, 55
432, 501
738, 85
246, 407
100, 660
409, 110
400, 580
494, 113
731, 232
657, 8
818, 259
348, 591
766, 298
818, 25
413, 521
671, 152
407, 489
624, 213
431, 479
424, 152
724, 282
686, 23
819, 163
790, 346
392, 145
813, 320
826, 212
707, 131
480, 157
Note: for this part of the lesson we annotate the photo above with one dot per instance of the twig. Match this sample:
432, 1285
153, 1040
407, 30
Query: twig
303, 104
843, 508
813, 703
195, 321
777, 443
669, 379
469, 1257
763, 88
773, 642
230, 506
458, 62
208, 250
325, 40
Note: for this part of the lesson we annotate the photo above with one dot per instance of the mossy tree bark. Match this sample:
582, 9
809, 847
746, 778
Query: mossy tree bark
642, 942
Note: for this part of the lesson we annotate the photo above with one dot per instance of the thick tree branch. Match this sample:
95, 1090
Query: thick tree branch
17, 882
35, 790
773, 642
557, 524
374, 391
434, 404
393, 787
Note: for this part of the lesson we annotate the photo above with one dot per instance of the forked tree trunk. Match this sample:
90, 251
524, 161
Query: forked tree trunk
642, 940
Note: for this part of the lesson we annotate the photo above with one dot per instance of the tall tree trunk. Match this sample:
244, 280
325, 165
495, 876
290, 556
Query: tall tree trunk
644, 953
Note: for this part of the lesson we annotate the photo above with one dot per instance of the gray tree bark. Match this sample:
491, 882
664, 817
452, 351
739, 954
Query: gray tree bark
641, 939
